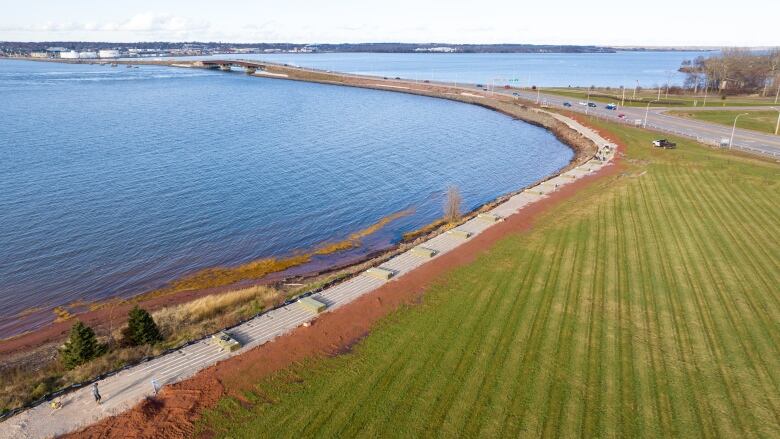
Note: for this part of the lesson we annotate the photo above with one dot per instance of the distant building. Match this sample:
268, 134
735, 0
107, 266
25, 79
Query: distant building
39, 54
54, 52
436, 49
108, 53
88, 55
70, 54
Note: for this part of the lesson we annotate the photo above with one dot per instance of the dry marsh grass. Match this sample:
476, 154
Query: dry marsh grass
221, 276
179, 323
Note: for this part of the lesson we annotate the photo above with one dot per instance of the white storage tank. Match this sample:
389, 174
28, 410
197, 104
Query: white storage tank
108, 53
69, 54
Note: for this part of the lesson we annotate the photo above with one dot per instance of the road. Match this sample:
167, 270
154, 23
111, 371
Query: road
128, 387
702, 131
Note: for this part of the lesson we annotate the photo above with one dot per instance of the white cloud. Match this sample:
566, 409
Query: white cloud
160, 25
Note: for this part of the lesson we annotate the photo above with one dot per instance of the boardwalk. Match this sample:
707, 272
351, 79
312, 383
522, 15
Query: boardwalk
125, 389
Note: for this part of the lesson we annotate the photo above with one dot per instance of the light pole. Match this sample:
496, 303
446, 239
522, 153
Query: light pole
777, 126
647, 112
587, 102
734, 128
623, 99
778, 93
635, 87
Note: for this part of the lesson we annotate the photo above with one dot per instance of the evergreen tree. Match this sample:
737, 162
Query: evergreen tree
141, 328
82, 346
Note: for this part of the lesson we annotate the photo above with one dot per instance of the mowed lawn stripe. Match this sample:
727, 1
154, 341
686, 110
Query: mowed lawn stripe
657, 375
485, 329
562, 382
475, 404
693, 386
461, 354
752, 230
711, 315
532, 375
508, 384
698, 325
594, 380
737, 337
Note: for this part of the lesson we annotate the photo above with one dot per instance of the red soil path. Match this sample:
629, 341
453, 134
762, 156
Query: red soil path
173, 413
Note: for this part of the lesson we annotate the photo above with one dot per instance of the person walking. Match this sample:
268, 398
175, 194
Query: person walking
155, 386
96, 393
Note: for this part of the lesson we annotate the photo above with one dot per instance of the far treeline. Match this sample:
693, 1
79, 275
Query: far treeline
735, 71
31, 46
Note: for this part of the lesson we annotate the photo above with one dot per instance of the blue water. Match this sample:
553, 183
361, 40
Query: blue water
650, 69
114, 181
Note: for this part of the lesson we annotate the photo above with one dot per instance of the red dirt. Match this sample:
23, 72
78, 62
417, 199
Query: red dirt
173, 413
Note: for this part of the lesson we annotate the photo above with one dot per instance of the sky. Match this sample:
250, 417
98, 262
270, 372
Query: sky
597, 22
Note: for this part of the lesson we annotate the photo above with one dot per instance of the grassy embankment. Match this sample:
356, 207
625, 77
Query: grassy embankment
764, 121
643, 97
21, 384
179, 323
647, 306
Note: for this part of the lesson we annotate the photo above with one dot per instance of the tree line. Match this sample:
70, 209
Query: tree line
82, 344
735, 71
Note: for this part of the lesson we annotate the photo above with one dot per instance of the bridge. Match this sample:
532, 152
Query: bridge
226, 65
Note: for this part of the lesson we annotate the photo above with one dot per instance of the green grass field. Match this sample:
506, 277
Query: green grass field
644, 96
764, 121
647, 306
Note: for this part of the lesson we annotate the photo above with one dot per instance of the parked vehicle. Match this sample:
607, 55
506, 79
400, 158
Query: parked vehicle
479, 85
507, 87
592, 105
583, 103
515, 94
663, 143
567, 104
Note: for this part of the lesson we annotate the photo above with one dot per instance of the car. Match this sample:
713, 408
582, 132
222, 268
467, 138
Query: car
426, 81
591, 104
611, 107
507, 87
622, 115
515, 94
225, 341
583, 103
663, 143
567, 104
479, 85
397, 77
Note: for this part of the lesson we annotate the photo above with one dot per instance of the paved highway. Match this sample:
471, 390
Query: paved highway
703, 131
